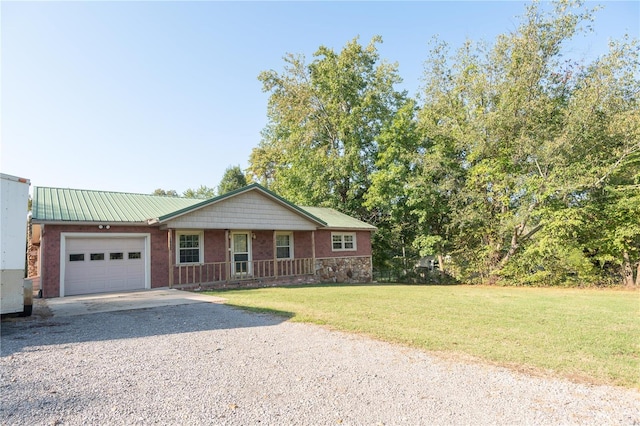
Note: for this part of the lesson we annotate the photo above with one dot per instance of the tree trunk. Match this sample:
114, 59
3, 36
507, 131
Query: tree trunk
516, 240
638, 275
441, 264
627, 271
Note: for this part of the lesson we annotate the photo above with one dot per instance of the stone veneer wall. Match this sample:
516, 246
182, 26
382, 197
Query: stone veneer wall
357, 269
32, 252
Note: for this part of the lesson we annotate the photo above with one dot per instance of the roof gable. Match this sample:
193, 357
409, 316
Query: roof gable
251, 207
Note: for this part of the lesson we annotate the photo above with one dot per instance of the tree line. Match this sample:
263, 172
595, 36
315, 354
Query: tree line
514, 164
232, 179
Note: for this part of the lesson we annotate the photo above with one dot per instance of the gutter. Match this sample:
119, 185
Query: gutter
91, 223
330, 228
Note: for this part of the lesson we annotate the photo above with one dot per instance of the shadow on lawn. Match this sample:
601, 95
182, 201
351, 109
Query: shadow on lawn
221, 292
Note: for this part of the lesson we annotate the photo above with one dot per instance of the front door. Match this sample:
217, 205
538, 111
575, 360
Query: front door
241, 254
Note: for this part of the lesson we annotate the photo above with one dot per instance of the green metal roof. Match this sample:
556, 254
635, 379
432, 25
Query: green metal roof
78, 205
337, 220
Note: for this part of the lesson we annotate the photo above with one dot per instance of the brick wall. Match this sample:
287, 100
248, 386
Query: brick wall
302, 245
214, 245
324, 245
50, 252
343, 266
262, 245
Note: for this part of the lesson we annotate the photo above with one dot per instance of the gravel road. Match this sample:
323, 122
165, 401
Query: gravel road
211, 364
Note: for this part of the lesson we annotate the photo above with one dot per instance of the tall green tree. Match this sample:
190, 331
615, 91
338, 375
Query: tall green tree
520, 141
324, 121
607, 114
232, 179
397, 220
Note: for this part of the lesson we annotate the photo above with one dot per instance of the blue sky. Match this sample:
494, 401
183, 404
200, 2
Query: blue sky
134, 96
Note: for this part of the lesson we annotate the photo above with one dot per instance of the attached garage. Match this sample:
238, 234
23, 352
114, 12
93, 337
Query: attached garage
98, 264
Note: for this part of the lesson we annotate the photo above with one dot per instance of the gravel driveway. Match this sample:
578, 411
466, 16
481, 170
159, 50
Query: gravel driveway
206, 363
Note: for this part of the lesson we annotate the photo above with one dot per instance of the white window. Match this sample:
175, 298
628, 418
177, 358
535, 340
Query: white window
189, 247
343, 241
284, 245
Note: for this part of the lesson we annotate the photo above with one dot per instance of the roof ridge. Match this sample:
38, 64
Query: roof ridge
114, 192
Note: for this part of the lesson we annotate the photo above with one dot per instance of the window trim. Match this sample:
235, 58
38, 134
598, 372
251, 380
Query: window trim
200, 235
342, 241
291, 255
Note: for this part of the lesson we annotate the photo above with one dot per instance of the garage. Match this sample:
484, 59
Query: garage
103, 264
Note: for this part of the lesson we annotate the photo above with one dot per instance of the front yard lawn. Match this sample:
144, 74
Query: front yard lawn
590, 335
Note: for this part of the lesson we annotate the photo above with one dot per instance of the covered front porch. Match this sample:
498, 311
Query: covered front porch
213, 257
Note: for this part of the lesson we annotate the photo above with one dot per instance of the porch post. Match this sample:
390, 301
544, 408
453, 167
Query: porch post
169, 243
275, 255
313, 252
227, 248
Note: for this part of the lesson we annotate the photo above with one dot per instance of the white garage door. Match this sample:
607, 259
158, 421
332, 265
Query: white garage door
97, 265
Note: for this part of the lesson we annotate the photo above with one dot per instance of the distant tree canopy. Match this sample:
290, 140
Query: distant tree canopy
232, 179
515, 164
165, 193
202, 192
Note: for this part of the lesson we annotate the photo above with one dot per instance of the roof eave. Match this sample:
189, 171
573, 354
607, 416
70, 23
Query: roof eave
88, 223
352, 229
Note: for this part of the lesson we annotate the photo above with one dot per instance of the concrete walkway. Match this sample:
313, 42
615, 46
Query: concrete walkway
124, 301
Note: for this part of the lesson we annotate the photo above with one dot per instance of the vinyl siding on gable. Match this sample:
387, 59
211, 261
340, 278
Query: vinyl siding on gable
249, 210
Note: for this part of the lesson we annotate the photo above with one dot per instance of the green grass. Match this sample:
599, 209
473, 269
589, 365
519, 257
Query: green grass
586, 335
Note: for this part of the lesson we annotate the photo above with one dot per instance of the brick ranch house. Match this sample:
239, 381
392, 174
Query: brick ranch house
85, 241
